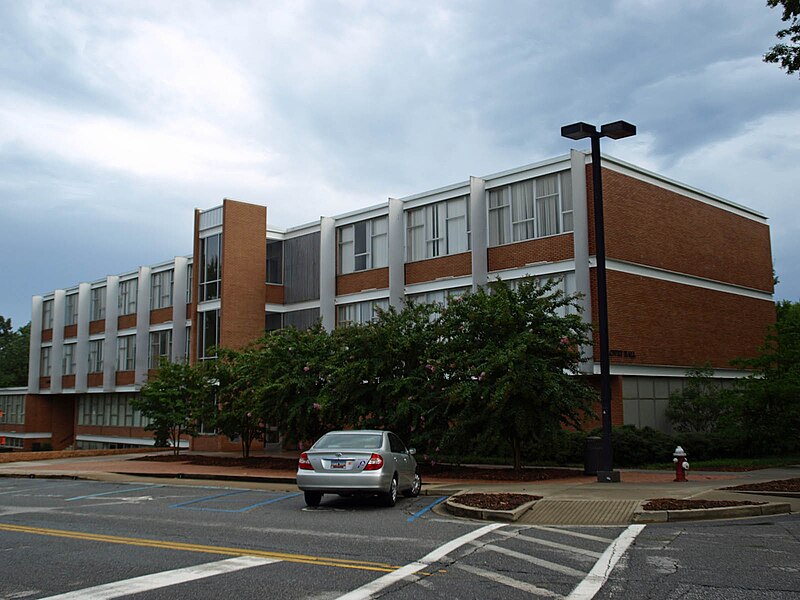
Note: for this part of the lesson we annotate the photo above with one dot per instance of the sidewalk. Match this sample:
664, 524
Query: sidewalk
579, 500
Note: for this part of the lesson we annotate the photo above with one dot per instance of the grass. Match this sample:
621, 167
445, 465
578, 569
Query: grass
735, 464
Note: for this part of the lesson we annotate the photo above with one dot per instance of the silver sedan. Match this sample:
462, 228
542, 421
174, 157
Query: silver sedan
366, 462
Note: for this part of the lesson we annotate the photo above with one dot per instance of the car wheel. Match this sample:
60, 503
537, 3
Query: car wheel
390, 497
416, 486
313, 498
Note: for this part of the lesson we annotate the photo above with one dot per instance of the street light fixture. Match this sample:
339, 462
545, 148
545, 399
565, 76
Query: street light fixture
616, 130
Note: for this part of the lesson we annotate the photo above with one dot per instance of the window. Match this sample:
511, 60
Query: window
47, 314
438, 229
44, 365
188, 343
71, 309
68, 360
160, 345
109, 410
97, 304
209, 334
364, 245
530, 209
95, 356
127, 296
359, 312
274, 261
438, 296
273, 321
161, 289
12, 409
210, 267
126, 353
189, 279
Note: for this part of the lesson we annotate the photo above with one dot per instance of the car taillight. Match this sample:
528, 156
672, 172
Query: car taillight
304, 464
374, 463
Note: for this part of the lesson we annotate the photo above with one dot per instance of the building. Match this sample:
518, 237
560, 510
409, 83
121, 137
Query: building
689, 282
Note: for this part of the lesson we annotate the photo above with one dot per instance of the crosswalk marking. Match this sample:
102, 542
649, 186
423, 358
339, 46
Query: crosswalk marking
154, 581
520, 585
577, 534
540, 562
549, 544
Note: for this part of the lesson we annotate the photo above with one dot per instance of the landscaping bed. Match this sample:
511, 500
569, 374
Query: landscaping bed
495, 501
779, 485
681, 504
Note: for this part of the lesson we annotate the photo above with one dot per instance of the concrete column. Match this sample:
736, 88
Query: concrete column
57, 351
142, 326
397, 254
580, 220
35, 346
110, 340
180, 279
480, 232
327, 272
82, 347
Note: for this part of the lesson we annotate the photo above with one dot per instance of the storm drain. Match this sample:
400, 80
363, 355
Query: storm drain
580, 512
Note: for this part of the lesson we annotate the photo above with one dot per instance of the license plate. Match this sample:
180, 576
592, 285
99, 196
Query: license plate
340, 464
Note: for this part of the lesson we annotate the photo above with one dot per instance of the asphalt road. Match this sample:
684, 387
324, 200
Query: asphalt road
89, 540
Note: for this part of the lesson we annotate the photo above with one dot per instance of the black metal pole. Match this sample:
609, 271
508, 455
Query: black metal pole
606, 471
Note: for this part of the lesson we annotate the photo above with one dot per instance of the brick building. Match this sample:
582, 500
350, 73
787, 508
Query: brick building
689, 282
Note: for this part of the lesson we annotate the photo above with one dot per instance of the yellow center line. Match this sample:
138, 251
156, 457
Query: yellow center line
294, 558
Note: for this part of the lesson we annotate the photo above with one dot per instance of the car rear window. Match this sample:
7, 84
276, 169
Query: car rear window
350, 441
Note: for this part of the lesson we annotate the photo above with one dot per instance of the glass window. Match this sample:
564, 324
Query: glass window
274, 261
71, 309
44, 366
359, 312
12, 409
364, 245
47, 314
189, 279
97, 304
438, 229
161, 289
209, 334
210, 267
127, 296
126, 353
68, 360
160, 345
95, 356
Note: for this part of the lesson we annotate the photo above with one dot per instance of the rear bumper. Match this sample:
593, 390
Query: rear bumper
343, 483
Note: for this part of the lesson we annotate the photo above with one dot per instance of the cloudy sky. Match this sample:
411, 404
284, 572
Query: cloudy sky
117, 119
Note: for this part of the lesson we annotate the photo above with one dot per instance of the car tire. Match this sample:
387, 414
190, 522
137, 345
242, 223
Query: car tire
313, 498
390, 498
416, 486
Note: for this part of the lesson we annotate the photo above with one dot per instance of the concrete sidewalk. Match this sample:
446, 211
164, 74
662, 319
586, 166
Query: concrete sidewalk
580, 500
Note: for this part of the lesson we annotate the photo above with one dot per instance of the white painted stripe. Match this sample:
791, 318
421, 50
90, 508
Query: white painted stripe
145, 583
577, 534
549, 544
520, 585
373, 587
533, 560
601, 571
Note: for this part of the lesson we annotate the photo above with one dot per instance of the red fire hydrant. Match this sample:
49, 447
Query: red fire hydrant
681, 464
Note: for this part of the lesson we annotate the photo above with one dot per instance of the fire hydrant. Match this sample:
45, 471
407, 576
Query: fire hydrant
681, 464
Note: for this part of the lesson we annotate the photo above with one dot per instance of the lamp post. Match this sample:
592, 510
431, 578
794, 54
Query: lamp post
615, 131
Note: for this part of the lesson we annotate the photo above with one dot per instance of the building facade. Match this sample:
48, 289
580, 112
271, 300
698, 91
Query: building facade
689, 283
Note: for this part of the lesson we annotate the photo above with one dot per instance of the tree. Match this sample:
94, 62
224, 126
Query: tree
508, 365
702, 405
787, 54
14, 347
176, 401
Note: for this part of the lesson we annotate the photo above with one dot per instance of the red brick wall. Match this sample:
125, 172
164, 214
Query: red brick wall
54, 414
94, 379
161, 315
453, 265
70, 331
673, 324
134, 432
650, 225
126, 322
68, 381
125, 377
244, 271
274, 294
47, 335
617, 417
97, 327
362, 280
552, 248
191, 309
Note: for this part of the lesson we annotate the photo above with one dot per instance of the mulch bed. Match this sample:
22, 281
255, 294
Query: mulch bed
779, 485
679, 504
495, 501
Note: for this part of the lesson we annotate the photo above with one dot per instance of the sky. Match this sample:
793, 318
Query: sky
119, 118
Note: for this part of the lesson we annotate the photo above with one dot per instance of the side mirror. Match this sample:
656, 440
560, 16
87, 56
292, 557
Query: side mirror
412, 451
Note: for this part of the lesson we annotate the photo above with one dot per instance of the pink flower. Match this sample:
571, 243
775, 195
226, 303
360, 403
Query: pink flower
482, 376
433, 463
412, 428
564, 340
306, 368
316, 406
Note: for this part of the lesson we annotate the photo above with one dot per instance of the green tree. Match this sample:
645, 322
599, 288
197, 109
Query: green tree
508, 365
787, 52
13, 354
176, 401
702, 405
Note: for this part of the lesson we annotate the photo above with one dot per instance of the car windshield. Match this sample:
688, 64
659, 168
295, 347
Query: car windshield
351, 441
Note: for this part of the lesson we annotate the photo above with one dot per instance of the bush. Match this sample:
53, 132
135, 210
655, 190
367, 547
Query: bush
637, 447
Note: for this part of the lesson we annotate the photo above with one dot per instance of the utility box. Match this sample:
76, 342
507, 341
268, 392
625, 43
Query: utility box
592, 455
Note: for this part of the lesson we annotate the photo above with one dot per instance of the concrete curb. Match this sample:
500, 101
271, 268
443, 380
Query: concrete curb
697, 514
471, 512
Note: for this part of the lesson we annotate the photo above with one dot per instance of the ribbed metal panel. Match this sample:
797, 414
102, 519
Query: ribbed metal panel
211, 218
301, 268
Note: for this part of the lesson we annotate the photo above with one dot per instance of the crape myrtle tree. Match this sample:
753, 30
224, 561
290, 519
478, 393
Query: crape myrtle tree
787, 51
507, 360
176, 400
379, 375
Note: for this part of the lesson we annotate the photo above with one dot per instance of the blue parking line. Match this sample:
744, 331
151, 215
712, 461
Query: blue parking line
147, 487
419, 513
231, 510
182, 504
